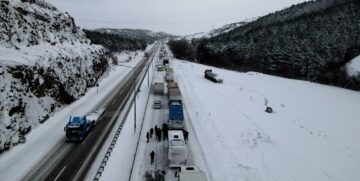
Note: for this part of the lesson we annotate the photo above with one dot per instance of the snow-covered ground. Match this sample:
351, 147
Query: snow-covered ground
312, 134
41, 140
353, 67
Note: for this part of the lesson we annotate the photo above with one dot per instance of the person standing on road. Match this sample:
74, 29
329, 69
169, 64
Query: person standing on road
159, 137
151, 132
152, 156
165, 130
186, 135
147, 136
156, 134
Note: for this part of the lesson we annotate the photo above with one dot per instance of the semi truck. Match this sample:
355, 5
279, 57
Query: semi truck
79, 126
177, 149
159, 84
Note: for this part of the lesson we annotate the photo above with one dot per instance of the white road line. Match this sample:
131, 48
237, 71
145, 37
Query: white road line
113, 102
60, 173
86, 138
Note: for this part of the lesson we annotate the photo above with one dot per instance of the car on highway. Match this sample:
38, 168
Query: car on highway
160, 68
157, 104
209, 74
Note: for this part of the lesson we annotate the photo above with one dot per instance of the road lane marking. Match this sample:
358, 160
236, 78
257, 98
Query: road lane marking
60, 173
113, 102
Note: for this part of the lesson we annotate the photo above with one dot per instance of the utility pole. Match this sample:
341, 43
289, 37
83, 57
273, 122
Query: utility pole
134, 101
148, 74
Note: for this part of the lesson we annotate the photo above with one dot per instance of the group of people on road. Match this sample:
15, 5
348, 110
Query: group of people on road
159, 132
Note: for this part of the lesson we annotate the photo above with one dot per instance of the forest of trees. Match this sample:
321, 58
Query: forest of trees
116, 43
309, 41
182, 49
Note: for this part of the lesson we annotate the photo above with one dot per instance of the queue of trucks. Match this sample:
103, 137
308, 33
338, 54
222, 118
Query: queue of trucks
177, 153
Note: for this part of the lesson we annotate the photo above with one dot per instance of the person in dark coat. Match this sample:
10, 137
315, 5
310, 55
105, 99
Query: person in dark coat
156, 134
155, 131
151, 132
186, 135
147, 136
165, 131
152, 156
159, 137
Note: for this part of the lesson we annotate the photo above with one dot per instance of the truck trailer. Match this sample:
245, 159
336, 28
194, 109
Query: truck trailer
159, 84
177, 149
176, 115
169, 75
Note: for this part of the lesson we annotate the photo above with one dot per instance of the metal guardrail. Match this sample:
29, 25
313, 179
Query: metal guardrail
117, 134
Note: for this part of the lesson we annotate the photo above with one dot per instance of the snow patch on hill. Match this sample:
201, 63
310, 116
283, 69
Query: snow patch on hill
218, 31
353, 67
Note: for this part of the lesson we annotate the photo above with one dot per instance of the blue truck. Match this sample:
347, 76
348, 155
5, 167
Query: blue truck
79, 126
176, 115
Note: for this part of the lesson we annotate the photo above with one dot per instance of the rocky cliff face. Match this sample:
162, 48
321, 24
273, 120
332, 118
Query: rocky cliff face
45, 63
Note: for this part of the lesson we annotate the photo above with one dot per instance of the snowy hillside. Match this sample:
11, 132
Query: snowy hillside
311, 135
135, 33
218, 31
45, 62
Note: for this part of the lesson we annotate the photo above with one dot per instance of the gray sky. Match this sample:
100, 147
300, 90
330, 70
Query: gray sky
179, 17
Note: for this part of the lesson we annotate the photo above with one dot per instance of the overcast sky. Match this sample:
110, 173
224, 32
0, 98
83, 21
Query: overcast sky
178, 17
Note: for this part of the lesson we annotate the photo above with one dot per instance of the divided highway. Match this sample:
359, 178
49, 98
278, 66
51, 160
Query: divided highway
71, 161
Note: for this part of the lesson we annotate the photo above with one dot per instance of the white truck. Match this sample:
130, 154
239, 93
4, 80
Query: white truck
191, 173
159, 84
177, 149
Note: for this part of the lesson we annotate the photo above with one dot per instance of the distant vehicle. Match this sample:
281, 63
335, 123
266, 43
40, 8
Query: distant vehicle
165, 61
177, 149
157, 104
146, 54
191, 173
79, 125
159, 83
159, 68
212, 76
